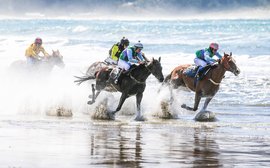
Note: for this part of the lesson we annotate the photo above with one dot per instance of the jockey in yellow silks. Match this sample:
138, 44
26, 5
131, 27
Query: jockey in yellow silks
33, 50
116, 50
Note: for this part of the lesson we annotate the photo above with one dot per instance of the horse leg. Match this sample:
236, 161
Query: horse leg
207, 101
139, 116
120, 104
94, 95
171, 94
196, 103
204, 115
93, 91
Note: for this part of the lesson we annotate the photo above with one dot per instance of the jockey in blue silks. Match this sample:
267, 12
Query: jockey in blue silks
131, 55
205, 57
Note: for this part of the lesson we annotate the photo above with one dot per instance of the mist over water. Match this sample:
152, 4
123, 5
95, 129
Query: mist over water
137, 9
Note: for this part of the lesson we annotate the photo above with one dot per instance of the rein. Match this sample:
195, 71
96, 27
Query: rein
211, 80
139, 82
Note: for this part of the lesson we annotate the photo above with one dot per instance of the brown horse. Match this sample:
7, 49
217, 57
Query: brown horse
207, 87
44, 66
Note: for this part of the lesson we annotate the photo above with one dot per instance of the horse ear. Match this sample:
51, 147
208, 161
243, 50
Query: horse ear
159, 59
230, 54
153, 59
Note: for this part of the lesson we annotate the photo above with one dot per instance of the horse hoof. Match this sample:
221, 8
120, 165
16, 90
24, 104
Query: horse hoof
206, 116
90, 102
184, 106
111, 115
90, 96
140, 118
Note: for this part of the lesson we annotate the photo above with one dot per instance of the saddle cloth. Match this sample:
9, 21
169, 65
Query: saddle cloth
190, 71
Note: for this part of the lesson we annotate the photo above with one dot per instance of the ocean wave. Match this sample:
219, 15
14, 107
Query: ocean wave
79, 29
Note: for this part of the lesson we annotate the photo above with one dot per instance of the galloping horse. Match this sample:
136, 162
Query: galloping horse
130, 83
206, 87
44, 65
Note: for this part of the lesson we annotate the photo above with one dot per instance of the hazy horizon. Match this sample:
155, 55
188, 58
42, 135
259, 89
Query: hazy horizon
137, 9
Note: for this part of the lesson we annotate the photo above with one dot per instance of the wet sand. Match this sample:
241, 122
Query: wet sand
34, 141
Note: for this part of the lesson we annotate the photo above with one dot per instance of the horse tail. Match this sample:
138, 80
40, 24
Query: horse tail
83, 79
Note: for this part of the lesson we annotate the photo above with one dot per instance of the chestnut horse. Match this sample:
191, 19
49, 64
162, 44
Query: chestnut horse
208, 86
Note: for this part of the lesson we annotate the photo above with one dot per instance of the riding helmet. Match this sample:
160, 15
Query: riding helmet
124, 41
138, 45
214, 46
38, 40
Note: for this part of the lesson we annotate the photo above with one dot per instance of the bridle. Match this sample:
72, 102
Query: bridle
137, 81
225, 62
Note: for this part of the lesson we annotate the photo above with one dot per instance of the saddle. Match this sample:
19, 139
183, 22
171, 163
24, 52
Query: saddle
191, 71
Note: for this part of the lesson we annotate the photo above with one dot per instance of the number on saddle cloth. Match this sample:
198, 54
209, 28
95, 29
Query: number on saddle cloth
190, 71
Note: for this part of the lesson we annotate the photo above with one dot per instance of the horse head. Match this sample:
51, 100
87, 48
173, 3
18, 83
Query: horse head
57, 59
230, 64
155, 68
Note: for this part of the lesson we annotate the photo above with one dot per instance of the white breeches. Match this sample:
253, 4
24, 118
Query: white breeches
123, 65
200, 62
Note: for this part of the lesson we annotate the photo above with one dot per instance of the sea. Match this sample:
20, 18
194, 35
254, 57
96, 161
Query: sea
33, 135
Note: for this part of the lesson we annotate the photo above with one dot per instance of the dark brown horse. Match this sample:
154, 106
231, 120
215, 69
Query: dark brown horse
208, 86
130, 83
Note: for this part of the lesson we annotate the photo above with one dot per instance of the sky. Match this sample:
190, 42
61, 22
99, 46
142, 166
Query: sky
134, 8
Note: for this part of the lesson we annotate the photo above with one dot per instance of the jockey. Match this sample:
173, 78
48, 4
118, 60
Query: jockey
131, 55
116, 50
205, 57
33, 50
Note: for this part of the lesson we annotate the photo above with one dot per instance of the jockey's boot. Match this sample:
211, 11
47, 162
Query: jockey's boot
119, 73
199, 73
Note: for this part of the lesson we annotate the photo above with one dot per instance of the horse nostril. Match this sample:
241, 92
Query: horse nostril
161, 79
237, 72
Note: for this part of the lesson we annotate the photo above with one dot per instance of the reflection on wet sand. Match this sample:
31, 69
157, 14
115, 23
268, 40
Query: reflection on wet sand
120, 145
141, 145
46, 143
205, 151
